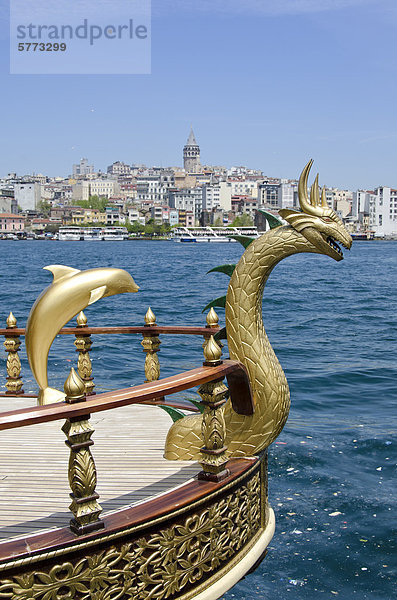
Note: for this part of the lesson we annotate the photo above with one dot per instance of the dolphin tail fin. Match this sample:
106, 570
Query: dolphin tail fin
49, 396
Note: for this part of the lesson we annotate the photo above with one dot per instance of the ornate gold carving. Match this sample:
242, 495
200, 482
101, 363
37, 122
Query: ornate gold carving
83, 343
212, 318
150, 318
174, 561
12, 345
247, 339
151, 346
82, 472
213, 454
212, 352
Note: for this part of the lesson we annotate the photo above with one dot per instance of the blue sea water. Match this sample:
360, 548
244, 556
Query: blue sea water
333, 327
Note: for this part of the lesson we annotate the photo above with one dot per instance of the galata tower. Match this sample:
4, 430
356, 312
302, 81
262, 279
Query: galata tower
191, 155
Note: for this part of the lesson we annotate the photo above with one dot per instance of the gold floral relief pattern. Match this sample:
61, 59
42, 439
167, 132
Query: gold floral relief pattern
159, 566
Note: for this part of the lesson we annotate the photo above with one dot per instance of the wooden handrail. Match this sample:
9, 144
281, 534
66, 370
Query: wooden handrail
154, 330
235, 372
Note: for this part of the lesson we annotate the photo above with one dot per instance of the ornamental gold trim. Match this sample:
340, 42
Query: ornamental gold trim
168, 563
135, 529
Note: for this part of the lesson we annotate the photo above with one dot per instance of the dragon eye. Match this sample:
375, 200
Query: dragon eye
327, 220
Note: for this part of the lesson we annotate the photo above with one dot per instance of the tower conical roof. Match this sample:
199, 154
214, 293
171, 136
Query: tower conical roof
191, 140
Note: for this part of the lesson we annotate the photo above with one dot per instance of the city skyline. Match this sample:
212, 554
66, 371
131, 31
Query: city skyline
263, 87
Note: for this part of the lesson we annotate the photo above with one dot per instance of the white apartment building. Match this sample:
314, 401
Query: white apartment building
383, 212
188, 199
135, 217
360, 202
211, 196
286, 193
154, 187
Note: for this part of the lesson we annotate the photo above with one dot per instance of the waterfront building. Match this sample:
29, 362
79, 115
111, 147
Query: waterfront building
174, 217
383, 212
8, 204
191, 155
186, 218
114, 216
83, 168
11, 223
82, 216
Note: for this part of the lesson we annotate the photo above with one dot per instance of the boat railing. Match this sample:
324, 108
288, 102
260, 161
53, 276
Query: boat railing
77, 408
83, 342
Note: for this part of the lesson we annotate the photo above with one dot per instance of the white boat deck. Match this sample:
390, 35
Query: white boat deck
128, 453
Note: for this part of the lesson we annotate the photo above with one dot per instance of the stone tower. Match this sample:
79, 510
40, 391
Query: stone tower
191, 155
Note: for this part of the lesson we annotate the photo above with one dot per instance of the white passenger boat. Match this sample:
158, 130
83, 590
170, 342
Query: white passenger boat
211, 234
93, 234
70, 233
115, 234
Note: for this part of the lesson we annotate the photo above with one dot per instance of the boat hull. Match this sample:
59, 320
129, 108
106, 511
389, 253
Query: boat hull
194, 542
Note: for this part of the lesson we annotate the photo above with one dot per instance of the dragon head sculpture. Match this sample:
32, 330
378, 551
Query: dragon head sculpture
318, 223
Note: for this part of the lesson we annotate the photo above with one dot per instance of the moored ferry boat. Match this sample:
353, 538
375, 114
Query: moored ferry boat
115, 234
93, 234
211, 234
362, 236
70, 233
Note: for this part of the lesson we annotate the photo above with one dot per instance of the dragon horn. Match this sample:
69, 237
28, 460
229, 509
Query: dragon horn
304, 202
323, 198
314, 193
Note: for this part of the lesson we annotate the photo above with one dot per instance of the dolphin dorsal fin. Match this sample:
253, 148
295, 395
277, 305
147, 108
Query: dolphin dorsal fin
97, 294
60, 271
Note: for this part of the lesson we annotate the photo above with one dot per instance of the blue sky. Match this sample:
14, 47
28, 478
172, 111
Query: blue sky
265, 84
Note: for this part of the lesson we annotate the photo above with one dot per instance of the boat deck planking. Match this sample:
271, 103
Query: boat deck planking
128, 453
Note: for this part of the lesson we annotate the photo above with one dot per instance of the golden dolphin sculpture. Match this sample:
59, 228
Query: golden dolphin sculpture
70, 292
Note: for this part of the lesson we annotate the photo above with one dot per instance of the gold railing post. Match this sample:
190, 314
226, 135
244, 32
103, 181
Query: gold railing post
213, 395
212, 320
151, 346
82, 471
83, 343
12, 344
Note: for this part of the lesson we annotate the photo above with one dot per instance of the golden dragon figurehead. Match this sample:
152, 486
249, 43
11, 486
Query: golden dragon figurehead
318, 223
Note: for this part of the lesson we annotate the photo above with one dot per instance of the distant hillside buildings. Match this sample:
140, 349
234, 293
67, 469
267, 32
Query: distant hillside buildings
192, 195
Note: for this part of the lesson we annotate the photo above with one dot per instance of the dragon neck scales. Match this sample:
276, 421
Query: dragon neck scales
316, 228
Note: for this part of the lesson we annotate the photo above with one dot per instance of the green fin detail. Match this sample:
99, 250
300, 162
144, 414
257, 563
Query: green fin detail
227, 269
197, 404
244, 240
271, 219
221, 335
174, 413
219, 302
